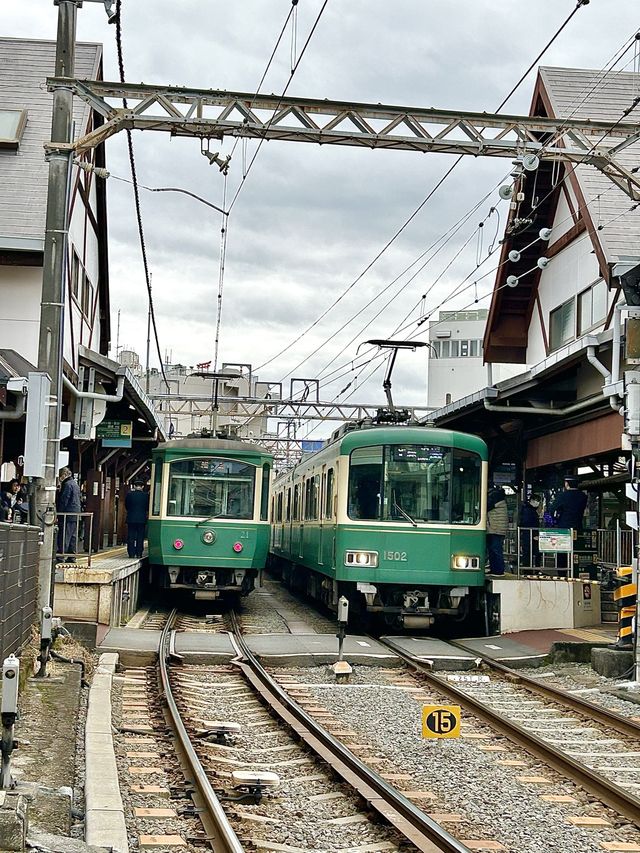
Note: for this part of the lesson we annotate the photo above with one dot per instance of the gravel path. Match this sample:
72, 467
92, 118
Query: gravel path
579, 678
465, 776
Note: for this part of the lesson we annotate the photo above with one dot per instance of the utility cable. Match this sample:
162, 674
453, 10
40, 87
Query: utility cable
284, 92
136, 195
417, 210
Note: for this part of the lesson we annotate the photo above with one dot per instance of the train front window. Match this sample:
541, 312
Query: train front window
415, 483
211, 487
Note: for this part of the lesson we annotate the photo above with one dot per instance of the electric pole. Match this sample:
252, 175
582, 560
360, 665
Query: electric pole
50, 344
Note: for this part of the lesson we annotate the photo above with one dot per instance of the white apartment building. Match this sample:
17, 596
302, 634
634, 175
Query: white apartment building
456, 366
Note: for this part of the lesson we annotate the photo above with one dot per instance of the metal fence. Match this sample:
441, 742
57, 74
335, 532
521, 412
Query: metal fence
614, 548
19, 554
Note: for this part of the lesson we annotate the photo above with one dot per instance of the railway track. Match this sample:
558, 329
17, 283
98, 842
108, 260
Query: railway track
412, 823
501, 705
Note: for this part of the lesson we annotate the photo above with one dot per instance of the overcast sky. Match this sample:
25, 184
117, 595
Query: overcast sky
309, 219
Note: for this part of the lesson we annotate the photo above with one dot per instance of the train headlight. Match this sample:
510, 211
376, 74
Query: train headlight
237, 547
361, 558
464, 561
178, 544
208, 537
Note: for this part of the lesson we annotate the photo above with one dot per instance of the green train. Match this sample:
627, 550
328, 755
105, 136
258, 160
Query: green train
209, 516
392, 517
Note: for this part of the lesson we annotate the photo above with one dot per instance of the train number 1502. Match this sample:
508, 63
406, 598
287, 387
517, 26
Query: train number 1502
397, 556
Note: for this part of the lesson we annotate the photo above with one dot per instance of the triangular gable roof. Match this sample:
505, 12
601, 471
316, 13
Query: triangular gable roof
603, 208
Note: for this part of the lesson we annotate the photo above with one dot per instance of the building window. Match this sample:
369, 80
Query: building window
444, 349
75, 275
473, 348
87, 296
592, 306
562, 324
464, 349
12, 124
455, 349
435, 349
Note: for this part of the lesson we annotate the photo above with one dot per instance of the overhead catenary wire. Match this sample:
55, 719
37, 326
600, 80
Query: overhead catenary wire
434, 248
439, 183
291, 16
136, 196
561, 181
460, 288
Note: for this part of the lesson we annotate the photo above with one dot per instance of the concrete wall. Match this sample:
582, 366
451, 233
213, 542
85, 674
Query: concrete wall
536, 604
105, 597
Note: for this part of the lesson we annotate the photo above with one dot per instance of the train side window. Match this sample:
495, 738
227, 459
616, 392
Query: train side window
288, 515
264, 497
279, 507
365, 482
296, 503
157, 488
328, 501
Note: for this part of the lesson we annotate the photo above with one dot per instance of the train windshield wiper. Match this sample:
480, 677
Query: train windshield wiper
405, 514
211, 517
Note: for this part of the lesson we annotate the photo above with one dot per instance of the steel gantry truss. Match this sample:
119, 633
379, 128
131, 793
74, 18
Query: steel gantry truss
259, 407
213, 114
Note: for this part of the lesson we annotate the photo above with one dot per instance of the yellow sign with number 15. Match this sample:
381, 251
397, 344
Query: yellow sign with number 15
439, 721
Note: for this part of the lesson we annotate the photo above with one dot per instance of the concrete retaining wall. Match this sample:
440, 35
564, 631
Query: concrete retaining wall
534, 604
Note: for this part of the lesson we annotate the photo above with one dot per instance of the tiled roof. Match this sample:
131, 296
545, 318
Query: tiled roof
584, 94
24, 66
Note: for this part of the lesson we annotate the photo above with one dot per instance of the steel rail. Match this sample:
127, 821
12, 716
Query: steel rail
605, 790
609, 718
412, 822
219, 831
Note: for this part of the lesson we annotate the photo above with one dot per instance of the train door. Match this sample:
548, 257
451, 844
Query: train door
329, 525
287, 517
320, 514
294, 551
304, 506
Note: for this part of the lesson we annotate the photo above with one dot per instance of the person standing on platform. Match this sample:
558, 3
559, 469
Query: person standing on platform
569, 506
529, 534
67, 501
137, 505
497, 525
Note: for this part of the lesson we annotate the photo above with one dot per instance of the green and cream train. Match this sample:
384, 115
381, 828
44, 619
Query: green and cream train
392, 517
209, 516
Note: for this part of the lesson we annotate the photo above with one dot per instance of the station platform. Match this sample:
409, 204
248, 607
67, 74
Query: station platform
541, 647
140, 647
90, 598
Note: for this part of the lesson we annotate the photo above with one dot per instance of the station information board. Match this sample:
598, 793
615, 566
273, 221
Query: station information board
556, 540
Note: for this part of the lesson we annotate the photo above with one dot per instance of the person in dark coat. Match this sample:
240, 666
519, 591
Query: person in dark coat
137, 505
570, 505
68, 501
529, 535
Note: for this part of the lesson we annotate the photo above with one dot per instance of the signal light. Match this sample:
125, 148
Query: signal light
178, 544
237, 547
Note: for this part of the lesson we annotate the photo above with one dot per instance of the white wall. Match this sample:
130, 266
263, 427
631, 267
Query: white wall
20, 293
568, 273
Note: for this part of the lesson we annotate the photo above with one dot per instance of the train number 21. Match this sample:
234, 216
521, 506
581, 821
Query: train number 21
397, 556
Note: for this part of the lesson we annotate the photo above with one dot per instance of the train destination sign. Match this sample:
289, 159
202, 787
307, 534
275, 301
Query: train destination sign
417, 453
440, 721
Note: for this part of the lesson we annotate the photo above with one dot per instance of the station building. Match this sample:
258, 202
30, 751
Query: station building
99, 395
563, 412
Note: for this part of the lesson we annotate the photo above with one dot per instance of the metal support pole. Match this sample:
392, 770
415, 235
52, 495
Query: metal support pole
9, 712
52, 305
